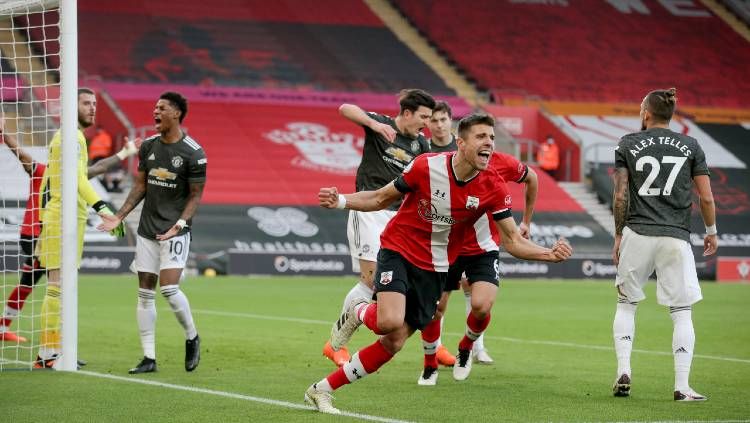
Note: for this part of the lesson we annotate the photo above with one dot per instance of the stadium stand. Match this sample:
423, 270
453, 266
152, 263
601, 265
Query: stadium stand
591, 50
333, 46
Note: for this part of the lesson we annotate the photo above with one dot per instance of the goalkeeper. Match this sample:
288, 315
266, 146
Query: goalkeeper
31, 271
48, 249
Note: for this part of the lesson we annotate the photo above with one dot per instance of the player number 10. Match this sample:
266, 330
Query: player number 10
646, 190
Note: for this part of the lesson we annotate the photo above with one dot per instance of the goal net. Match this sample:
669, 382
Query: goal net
30, 98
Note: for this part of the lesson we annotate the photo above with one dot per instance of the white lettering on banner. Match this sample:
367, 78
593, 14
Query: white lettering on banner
592, 268
684, 8
111, 263
319, 148
282, 221
563, 3
725, 240
291, 247
523, 267
514, 125
283, 263
561, 230
626, 6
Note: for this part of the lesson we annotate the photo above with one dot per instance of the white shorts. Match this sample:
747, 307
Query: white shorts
363, 231
153, 256
672, 258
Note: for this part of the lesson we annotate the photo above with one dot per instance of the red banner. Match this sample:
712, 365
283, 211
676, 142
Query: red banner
733, 269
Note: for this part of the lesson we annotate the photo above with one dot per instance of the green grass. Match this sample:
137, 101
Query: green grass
544, 337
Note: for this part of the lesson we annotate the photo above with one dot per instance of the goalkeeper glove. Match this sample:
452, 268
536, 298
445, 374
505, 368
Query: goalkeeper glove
127, 150
104, 208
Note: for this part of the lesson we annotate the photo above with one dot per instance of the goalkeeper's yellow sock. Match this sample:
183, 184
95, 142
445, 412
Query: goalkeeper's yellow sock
50, 339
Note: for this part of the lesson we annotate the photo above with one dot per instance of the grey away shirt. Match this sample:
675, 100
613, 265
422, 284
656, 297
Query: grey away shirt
661, 165
169, 168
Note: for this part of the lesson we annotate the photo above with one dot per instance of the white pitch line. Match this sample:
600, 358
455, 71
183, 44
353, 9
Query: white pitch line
232, 395
501, 338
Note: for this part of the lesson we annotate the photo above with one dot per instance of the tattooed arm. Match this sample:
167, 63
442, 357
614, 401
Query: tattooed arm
619, 208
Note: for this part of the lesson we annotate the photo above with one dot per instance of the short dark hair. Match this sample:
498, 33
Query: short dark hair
474, 119
178, 101
442, 106
411, 99
85, 90
661, 103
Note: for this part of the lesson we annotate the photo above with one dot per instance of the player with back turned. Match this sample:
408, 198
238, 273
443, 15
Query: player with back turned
655, 171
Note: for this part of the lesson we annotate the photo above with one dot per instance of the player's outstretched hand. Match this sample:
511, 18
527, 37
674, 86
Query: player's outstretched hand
174, 230
328, 197
561, 251
710, 245
109, 222
523, 229
386, 131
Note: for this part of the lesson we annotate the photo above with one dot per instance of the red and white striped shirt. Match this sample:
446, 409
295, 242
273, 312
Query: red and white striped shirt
485, 236
438, 210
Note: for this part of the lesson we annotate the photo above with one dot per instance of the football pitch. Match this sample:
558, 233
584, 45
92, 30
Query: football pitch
261, 349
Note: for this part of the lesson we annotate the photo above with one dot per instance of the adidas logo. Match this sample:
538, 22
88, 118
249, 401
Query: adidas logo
152, 157
626, 338
681, 350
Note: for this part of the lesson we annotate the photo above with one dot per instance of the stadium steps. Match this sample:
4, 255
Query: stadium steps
411, 38
588, 201
727, 16
15, 48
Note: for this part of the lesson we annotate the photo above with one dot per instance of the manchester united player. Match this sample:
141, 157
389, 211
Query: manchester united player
445, 194
170, 180
655, 172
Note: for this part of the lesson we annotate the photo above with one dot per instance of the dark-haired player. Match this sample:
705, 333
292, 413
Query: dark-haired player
655, 171
444, 194
390, 145
171, 176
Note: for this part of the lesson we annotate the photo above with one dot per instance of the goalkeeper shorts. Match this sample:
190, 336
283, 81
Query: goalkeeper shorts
49, 245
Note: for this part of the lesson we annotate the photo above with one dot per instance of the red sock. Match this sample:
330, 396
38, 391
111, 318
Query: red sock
371, 358
370, 319
430, 334
16, 301
476, 327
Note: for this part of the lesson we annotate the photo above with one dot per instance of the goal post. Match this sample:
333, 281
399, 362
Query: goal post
38, 90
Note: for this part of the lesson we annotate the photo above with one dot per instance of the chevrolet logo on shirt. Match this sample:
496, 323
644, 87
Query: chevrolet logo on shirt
399, 154
162, 174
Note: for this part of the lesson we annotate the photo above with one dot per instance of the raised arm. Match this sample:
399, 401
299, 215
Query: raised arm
532, 188
103, 166
619, 208
357, 115
708, 211
360, 201
522, 248
23, 156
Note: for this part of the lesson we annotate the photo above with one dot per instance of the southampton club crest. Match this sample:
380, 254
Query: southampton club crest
320, 149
